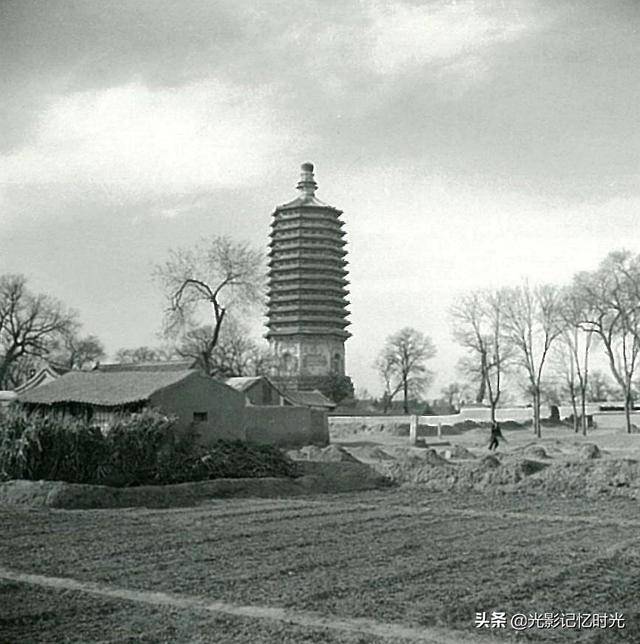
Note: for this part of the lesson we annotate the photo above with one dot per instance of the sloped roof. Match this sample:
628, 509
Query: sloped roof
243, 383
313, 398
50, 372
104, 388
168, 365
305, 201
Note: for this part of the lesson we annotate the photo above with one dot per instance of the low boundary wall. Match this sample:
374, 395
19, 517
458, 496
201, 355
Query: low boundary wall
286, 426
615, 420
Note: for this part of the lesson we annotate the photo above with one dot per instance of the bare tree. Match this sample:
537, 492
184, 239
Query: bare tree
29, 324
599, 388
531, 323
401, 364
478, 327
614, 315
472, 369
563, 362
576, 340
385, 366
451, 396
235, 353
220, 275
77, 352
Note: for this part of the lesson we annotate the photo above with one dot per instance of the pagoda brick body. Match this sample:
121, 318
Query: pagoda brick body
307, 297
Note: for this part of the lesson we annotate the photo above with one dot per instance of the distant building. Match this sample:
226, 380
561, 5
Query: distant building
212, 408
307, 305
259, 390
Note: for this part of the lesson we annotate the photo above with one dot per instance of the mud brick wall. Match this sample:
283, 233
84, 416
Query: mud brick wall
286, 426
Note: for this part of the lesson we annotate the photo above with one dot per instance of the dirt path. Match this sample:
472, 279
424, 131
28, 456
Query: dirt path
394, 632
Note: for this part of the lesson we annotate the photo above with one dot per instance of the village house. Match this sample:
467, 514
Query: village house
213, 409
260, 390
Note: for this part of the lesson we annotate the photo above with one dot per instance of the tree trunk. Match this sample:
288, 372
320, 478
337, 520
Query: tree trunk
583, 410
627, 409
405, 391
481, 391
536, 414
574, 407
494, 404
386, 401
4, 371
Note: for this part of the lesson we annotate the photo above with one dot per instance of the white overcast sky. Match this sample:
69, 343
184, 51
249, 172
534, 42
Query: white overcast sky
468, 143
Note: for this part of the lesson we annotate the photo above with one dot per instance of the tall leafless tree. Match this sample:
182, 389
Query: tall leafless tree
401, 364
576, 343
29, 324
478, 327
612, 293
219, 275
531, 323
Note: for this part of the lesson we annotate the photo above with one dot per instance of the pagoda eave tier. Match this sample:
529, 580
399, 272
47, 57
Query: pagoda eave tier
308, 254
304, 331
310, 317
299, 233
328, 304
306, 225
307, 207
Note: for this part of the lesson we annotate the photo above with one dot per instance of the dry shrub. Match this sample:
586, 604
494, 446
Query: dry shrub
39, 447
139, 449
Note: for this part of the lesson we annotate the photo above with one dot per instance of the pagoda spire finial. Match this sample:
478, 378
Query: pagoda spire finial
307, 184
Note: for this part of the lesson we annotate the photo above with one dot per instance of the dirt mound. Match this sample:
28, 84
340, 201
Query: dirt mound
536, 451
368, 453
468, 424
514, 424
489, 462
341, 477
329, 454
488, 474
589, 451
317, 478
458, 452
591, 478
493, 474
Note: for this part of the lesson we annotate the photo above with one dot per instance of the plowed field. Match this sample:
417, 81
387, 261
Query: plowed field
384, 566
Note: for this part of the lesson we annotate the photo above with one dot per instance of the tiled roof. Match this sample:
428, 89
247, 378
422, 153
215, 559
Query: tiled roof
46, 374
104, 388
169, 365
242, 383
305, 201
310, 399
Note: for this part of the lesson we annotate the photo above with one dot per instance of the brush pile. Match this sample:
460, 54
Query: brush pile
139, 449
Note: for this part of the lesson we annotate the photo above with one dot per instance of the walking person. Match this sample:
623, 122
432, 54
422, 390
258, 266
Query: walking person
495, 435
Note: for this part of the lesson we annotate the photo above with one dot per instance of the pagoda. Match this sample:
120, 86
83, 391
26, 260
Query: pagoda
307, 297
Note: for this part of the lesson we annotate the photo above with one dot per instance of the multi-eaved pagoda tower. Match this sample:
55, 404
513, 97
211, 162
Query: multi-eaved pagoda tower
307, 314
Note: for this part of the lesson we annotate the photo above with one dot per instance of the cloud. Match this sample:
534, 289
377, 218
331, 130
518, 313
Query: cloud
133, 140
405, 35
